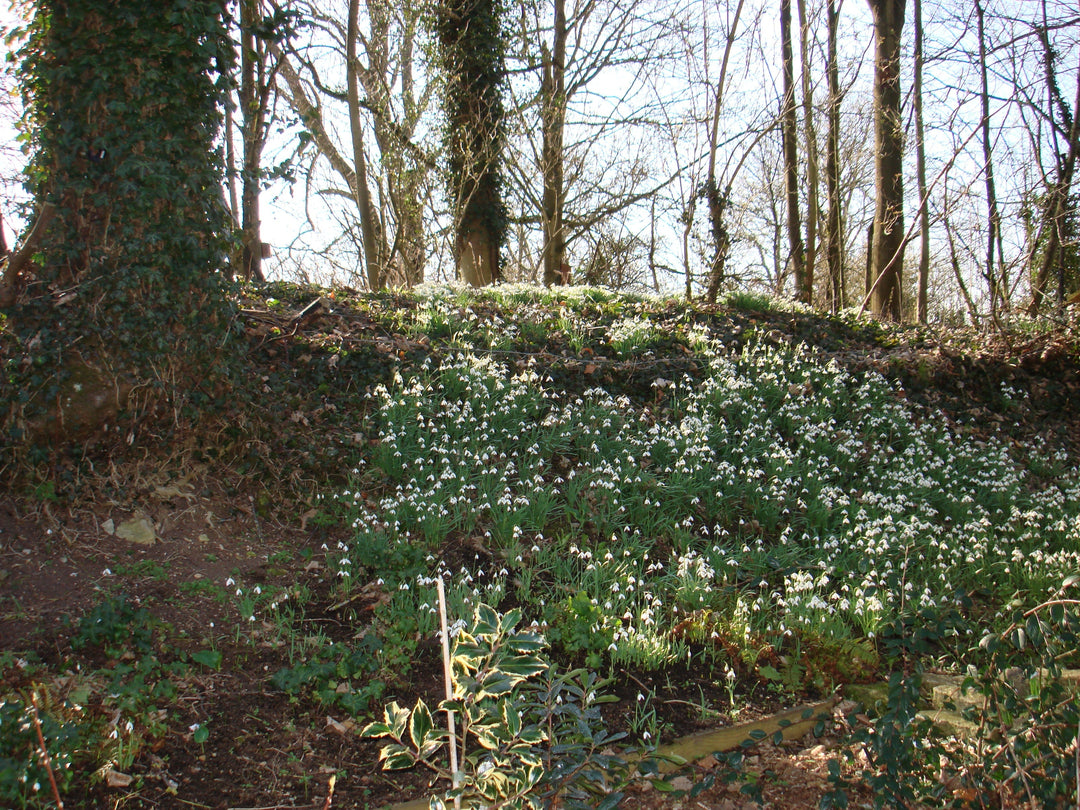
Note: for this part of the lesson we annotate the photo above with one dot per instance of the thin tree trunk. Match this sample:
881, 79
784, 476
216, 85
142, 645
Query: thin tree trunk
1053, 222
920, 171
553, 99
887, 244
810, 131
254, 120
973, 313
998, 286
788, 122
717, 201
363, 195
835, 222
230, 164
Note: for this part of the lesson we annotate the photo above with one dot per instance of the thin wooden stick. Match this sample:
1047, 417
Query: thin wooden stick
45, 758
330, 792
448, 681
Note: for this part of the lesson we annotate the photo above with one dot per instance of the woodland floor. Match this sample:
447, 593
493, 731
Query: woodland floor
248, 514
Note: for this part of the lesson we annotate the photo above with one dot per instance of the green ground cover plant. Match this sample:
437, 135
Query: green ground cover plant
779, 506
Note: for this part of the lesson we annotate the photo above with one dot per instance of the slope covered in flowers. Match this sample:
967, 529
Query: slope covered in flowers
772, 494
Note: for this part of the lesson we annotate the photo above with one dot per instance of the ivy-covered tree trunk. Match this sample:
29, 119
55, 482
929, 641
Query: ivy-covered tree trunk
122, 309
472, 55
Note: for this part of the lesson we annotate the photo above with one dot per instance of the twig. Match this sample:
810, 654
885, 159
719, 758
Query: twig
330, 792
454, 774
45, 758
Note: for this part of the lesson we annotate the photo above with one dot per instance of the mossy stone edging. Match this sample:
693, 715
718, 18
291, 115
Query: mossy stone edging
790, 724
940, 691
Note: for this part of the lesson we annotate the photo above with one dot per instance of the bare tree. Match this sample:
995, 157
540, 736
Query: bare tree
578, 150
810, 139
258, 69
997, 282
835, 221
718, 199
370, 48
922, 301
788, 125
373, 256
553, 121
886, 250
1064, 123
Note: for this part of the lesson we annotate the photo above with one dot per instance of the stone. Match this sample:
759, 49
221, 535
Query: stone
138, 530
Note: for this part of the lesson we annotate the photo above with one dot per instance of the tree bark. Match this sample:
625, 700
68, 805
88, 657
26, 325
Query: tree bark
254, 120
922, 303
473, 64
835, 221
887, 244
788, 122
372, 258
717, 201
810, 133
1053, 224
553, 115
998, 286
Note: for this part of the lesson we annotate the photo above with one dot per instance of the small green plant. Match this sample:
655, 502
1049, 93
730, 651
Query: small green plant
144, 569
113, 624
337, 675
579, 626
750, 301
527, 736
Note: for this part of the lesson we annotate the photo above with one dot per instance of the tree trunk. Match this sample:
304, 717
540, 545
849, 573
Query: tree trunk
887, 244
553, 114
835, 222
372, 260
126, 274
811, 154
788, 123
920, 171
1053, 224
716, 200
998, 286
253, 118
472, 57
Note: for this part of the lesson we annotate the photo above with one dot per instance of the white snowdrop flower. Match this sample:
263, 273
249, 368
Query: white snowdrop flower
230, 582
258, 590
107, 573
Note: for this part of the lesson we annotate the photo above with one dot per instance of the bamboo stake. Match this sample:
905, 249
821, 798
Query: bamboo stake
445, 636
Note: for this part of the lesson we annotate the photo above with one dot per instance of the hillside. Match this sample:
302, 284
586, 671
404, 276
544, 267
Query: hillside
691, 501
